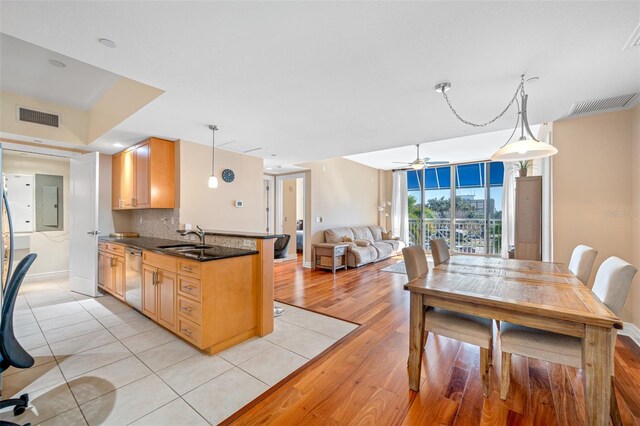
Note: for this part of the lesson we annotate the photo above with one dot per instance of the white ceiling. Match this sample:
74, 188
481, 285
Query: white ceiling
25, 70
458, 150
313, 80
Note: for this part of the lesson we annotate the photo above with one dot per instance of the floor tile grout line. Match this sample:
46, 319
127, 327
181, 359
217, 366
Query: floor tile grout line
234, 365
63, 376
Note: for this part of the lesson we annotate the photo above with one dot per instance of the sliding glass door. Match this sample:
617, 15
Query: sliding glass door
472, 222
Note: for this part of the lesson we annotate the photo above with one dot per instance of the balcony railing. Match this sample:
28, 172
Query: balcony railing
469, 234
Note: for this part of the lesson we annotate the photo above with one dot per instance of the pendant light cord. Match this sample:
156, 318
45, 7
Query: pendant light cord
519, 90
213, 128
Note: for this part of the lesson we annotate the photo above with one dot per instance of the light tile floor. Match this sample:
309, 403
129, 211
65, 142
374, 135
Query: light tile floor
99, 362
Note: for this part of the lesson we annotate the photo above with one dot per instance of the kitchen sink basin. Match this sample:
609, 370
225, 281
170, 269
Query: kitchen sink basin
185, 247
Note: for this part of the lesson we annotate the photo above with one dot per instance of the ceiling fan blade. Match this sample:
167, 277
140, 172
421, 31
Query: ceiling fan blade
400, 162
436, 163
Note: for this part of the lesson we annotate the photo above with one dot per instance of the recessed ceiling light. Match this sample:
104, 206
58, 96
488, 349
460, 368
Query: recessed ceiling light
533, 80
269, 168
106, 42
57, 64
118, 145
273, 155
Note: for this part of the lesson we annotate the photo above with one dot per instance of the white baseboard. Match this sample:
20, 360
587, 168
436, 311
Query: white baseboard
55, 275
632, 331
306, 264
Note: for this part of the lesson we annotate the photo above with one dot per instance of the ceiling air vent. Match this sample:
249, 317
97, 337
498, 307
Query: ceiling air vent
602, 105
38, 117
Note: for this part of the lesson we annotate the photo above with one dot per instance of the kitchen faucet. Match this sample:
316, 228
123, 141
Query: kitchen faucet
200, 233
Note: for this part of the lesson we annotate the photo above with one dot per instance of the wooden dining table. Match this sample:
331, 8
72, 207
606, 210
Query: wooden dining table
541, 295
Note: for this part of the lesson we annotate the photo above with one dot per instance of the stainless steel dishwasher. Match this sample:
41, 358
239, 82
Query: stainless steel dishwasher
133, 265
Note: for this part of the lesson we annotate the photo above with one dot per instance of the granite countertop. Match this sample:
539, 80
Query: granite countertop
241, 234
202, 255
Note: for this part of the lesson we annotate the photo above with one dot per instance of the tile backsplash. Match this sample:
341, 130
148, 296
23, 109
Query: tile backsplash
163, 223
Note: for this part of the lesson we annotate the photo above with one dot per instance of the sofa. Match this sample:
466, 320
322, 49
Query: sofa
367, 244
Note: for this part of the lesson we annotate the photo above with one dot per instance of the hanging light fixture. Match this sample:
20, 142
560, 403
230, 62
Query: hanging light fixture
527, 147
213, 180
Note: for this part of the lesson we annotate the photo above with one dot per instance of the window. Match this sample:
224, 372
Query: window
473, 222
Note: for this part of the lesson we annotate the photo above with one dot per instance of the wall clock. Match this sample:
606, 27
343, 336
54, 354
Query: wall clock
228, 175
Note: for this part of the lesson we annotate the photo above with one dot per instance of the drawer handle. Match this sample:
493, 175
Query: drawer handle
186, 268
189, 287
187, 332
153, 278
187, 309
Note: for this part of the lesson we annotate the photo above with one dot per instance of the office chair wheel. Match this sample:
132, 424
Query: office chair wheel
22, 406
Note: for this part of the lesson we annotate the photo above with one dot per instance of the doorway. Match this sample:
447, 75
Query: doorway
291, 212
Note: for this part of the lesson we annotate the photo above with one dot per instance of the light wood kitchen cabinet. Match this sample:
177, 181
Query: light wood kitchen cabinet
149, 297
159, 296
212, 305
143, 176
101, 265
111, 273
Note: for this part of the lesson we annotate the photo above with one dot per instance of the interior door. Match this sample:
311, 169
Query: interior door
83, 257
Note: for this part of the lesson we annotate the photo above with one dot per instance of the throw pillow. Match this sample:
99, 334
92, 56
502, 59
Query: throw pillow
347, 240
362, 243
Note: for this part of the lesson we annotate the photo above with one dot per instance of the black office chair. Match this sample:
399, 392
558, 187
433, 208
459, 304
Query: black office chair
11, 353
280, 247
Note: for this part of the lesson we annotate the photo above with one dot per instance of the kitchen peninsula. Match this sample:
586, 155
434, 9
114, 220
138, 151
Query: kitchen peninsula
213, 296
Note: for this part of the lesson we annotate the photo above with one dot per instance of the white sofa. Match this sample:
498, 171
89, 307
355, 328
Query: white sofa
367, 244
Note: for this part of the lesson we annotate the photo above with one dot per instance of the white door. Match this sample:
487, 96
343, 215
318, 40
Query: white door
83, 256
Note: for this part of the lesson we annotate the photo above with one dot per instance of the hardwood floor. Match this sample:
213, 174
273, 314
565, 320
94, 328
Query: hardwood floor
364, 379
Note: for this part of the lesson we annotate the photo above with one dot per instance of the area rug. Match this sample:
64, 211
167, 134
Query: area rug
397, 268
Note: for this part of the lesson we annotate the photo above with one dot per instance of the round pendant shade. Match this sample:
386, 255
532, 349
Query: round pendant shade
524, 149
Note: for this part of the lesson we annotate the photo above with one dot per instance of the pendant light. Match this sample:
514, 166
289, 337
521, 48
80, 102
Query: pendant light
213, 180
527, 147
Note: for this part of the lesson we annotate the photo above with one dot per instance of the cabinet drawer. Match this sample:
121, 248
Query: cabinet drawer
102, 246
115, 249
189, 287
189, 331
189, 309
191, 269
163, 261
340, 251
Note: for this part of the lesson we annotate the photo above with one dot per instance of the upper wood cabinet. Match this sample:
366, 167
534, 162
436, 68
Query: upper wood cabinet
143, 176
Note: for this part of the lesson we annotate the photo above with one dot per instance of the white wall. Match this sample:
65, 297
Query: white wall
214, 208
52, 247
594, 192
342, 193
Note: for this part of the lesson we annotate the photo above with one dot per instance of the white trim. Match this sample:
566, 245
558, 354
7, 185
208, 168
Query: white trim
306, 264
632, 331
55, 275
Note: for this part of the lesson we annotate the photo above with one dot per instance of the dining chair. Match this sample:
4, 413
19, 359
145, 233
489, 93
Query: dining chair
455, 325
439, 251
581, 262
611, 286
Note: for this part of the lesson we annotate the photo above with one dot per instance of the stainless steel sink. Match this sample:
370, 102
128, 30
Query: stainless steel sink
176, 246
185, 247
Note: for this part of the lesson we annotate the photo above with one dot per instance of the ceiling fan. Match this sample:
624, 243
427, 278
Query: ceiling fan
421, 163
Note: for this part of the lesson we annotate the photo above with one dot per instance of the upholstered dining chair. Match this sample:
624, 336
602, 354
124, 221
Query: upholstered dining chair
612, 284
581, 262
465, 328
439, 251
